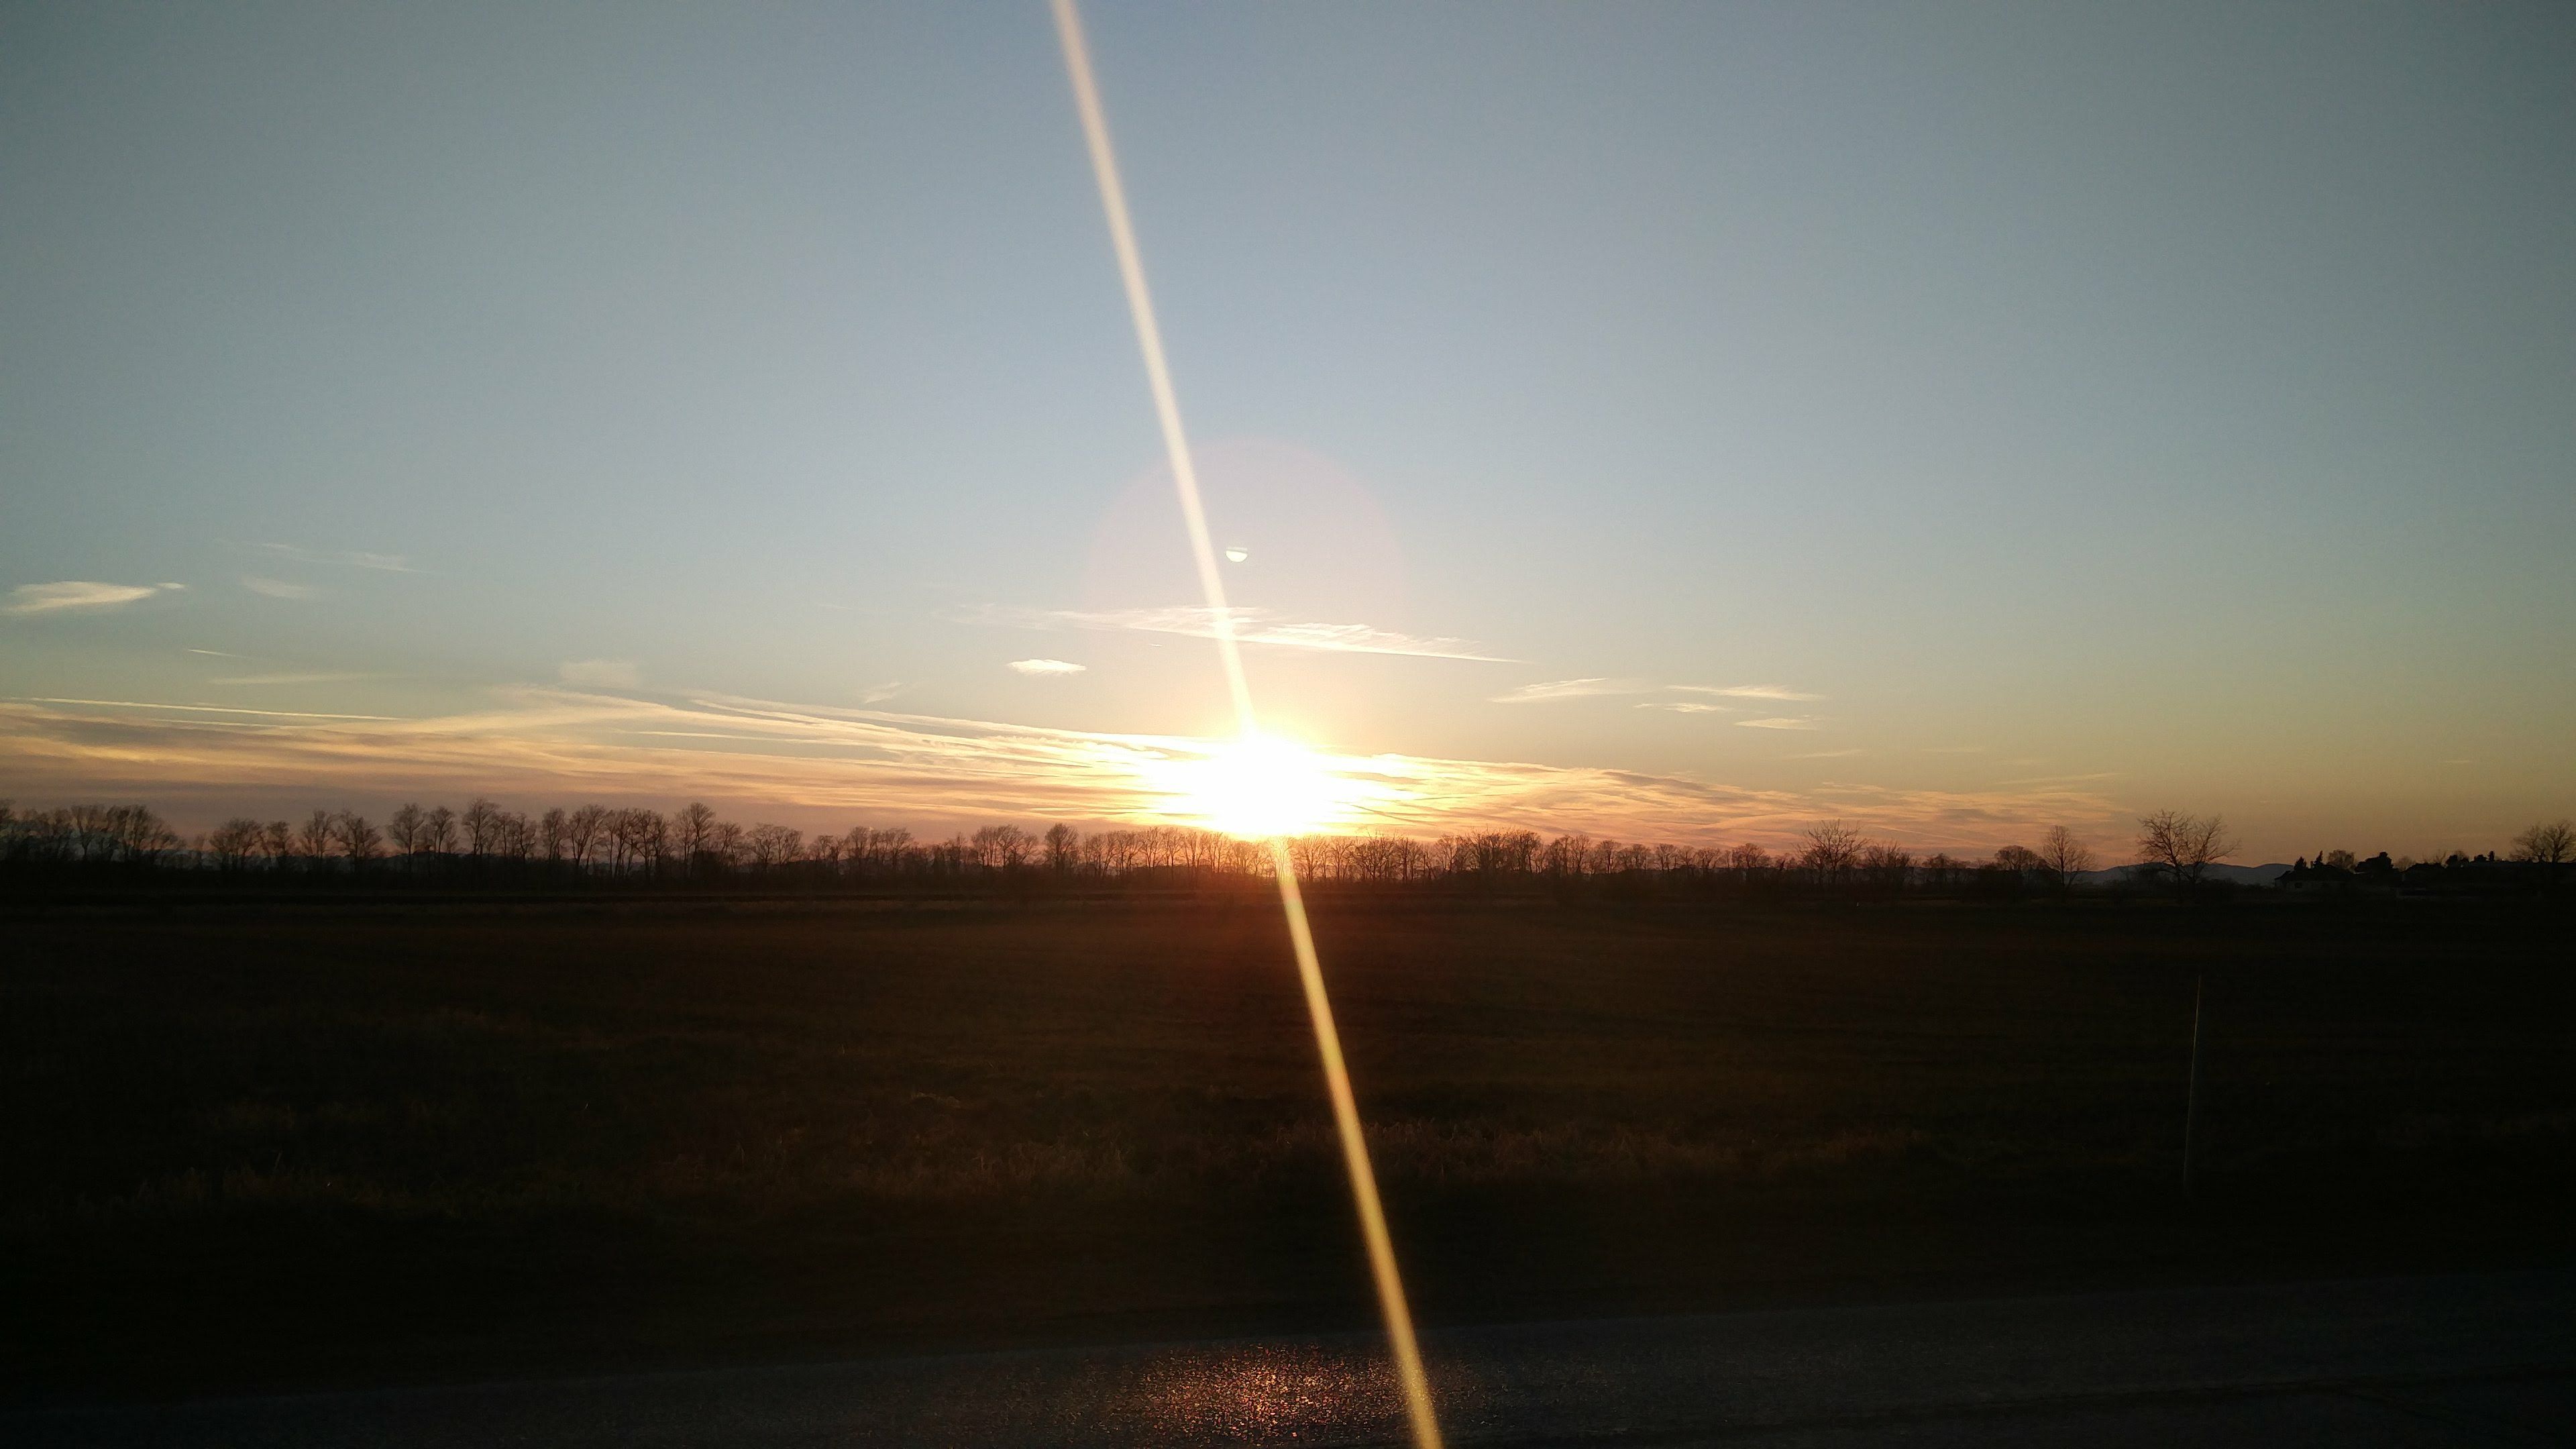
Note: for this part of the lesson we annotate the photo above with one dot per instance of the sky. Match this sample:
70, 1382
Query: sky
1674, 422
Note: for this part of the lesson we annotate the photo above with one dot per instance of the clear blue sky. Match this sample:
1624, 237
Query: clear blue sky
2093, 408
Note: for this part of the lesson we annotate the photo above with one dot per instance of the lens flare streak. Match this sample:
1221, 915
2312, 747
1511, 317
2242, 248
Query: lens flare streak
1167, 411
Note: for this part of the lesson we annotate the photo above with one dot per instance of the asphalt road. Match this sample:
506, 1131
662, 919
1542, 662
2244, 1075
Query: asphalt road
2468, 1359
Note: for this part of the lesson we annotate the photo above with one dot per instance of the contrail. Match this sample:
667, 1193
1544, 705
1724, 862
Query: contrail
1310, 971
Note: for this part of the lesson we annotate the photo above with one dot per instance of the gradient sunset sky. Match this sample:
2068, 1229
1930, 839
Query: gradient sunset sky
1671, 422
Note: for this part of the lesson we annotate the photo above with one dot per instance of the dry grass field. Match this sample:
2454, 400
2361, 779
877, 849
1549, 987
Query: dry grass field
307, 1142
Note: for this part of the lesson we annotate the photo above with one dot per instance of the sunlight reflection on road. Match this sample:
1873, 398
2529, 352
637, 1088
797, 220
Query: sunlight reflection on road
1268, 1394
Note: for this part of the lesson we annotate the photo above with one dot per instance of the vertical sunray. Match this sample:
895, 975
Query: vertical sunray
1310, 971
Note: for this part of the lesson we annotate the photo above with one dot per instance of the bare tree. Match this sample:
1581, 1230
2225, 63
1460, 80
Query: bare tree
1063, 848
642, 836
1000, 847
440, 829
233, 844
894, 850
772, 846
2064, 856
405, 830
482, 822
1888, 867
2550, 844
2020, 860
358, 840
692, 833
2180, 848
582, 831
137, 836
313, 838
1833, 848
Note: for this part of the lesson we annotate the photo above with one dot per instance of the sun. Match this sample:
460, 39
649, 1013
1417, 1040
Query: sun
1262, 787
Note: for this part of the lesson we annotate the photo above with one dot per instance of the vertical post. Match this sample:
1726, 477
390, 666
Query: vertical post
2191, 1098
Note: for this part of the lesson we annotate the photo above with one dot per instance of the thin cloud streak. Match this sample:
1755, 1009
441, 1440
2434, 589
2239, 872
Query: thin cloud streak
830, 764
1047, 668
1750, 691
1781, 722
1555, 689
1251, 626
278, 588
66, 594
1685, 706
205, 708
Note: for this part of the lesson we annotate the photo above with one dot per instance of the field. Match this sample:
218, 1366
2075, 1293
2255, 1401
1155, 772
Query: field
290, 1143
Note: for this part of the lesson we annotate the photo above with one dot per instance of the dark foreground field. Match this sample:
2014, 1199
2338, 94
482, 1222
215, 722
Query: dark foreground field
295, 1144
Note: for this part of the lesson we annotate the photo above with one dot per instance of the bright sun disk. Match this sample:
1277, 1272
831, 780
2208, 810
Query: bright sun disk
1263, 787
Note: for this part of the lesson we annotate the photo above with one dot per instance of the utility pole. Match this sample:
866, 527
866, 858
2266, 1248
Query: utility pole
2191, 1098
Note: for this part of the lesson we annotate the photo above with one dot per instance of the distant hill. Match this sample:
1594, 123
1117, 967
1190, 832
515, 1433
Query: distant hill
2257, 875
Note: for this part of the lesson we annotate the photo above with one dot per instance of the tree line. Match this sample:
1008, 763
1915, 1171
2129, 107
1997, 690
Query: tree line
486, 843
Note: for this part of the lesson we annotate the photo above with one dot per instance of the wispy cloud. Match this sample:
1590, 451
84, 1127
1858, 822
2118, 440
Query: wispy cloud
600, 673
279, 588
77, 594
1555, 689
1780, 722
205, 708
1251, 626
316, 678
830, 766
391, 563
1749, 691
1047, 668
880, 693
1686, 706
1824, 755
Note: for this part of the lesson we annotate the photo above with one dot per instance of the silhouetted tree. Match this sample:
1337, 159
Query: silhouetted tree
405, 831
1887, 867
2022, 861
2550, 844
313, 838
482, 822
582, 831
2063, 855
2179, 849
725, 845
772, 846
1833, 848
357, 840
235, 843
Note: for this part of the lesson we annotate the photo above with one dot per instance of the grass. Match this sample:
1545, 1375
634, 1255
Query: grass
293, 1144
